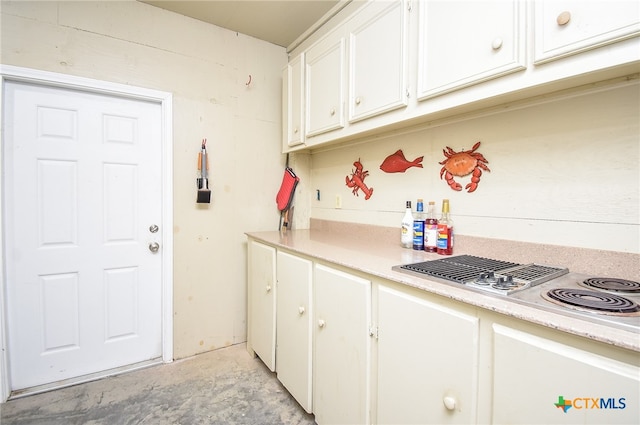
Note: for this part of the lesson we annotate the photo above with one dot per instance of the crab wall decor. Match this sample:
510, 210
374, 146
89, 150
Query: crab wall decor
462, 164
356, 181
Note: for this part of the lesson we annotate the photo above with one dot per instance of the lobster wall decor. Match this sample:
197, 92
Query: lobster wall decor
462, 164
356, 181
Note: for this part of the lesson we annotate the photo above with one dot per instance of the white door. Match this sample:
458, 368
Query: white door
82, 189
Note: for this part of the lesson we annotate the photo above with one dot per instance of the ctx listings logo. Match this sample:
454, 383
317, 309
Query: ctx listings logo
590, 403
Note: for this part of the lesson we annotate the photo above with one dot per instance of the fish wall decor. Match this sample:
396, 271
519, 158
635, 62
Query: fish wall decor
356, 181
397, 163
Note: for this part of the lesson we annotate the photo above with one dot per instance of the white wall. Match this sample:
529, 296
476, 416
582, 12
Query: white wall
564, 171
206, 68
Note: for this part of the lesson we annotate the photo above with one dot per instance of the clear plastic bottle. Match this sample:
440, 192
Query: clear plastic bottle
431, 228
406, 234
418, 226
445, 231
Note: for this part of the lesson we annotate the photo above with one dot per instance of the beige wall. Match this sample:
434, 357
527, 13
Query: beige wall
565, 170
206, 68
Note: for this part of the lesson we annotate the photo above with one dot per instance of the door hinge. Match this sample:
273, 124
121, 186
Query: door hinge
373, 331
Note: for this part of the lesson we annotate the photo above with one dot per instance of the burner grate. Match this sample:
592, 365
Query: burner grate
613, 284
591, 300
461, 269
536, 273
502, 277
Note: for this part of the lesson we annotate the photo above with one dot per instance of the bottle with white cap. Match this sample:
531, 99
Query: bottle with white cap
406, 228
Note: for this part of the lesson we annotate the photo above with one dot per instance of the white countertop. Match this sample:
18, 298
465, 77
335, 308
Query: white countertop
376, 257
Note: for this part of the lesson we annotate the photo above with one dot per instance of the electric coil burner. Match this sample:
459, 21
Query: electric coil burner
627, 287
596, 301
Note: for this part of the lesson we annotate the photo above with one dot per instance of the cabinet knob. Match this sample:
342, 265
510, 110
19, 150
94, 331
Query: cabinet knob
321, 323
332, 112
301, 310
268, 288
449, 402
358, 100
497, 43
295, 130
563, 18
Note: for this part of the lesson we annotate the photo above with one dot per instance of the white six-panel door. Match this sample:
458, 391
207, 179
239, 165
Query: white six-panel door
82, 191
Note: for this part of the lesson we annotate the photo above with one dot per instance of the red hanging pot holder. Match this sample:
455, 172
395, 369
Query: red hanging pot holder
287, 189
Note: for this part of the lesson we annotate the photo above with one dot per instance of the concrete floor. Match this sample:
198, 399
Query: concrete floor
225, 386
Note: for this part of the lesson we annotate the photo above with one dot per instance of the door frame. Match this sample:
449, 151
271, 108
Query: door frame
87, 85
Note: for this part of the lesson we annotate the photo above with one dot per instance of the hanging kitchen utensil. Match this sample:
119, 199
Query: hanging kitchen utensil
204, 194
284, 198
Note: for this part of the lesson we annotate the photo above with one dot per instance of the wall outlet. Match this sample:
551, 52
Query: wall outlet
338, 201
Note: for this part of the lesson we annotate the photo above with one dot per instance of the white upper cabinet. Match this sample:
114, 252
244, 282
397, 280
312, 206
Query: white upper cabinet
565, 27
293, 101
325, 84
466, 42
377, 59
386, 64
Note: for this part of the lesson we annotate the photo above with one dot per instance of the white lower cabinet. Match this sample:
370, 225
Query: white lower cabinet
427, 361
358, 350
543, 381
261, 273
293, 322
342, 347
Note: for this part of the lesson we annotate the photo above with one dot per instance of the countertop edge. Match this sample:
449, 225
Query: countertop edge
378, 261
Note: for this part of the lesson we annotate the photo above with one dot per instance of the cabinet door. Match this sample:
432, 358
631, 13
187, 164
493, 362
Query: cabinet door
565, 27
378, 59
538, 380
324, 82
342, 312
262, 302
466, 42
427, 361
292, 101
293, 348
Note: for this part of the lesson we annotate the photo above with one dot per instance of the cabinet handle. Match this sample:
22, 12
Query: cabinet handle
449, 402
268, 288
497, 43
358, 100
301, 310
321, 323
332, 112
563, 18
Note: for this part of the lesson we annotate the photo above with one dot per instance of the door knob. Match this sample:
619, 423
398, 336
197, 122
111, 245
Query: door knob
154, 247
153, 228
